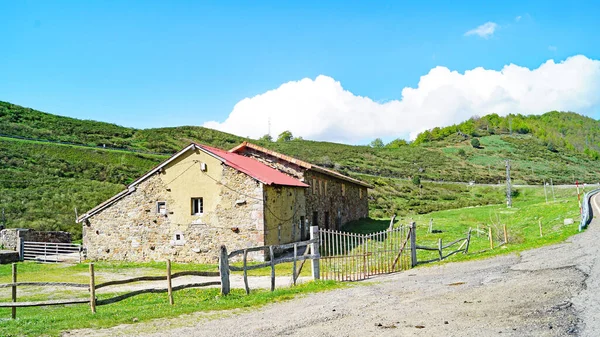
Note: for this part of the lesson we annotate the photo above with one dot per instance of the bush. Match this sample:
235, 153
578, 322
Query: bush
475, 143
416, 180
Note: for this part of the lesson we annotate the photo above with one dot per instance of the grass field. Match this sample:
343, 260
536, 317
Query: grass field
51, 321
522, 221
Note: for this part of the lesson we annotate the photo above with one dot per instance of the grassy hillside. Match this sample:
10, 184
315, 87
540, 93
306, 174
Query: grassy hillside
42, 183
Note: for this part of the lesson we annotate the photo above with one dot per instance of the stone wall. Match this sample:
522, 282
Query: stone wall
8, 237
8, 256
331, 202
133, 230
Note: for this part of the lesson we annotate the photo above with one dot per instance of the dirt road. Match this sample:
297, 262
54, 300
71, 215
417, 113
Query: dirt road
551, 291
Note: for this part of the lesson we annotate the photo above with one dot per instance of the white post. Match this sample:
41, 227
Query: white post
314, 249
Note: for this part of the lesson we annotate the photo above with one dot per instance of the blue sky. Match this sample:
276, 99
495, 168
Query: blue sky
158, 63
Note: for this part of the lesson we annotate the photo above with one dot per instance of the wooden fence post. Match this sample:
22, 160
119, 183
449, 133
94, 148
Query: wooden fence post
413, 244
245, 259
14, 289
491, 237
440, 248
468, 241
169, 283
224, 270
294, 265
540, 225
430, 225
505, 235
314, 249
272, 256
92, 289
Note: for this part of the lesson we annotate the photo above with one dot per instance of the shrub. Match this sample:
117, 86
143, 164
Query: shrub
475, 143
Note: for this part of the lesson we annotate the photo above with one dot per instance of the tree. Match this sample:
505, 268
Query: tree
266, 138
461, 152
285, 136
396, 143
416, 180
475, 143
377, 143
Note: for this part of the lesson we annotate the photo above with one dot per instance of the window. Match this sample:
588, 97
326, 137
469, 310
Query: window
314, 186
178, 239
161, 207
325, 187
197, 206
343, 190
360, 192
315, 219
320, 187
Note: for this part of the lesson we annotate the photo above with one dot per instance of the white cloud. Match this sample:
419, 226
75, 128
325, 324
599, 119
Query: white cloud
518, 18
321, 109
485, 31
552, 48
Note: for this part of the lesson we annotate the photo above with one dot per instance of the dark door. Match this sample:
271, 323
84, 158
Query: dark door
327, 220
315, 221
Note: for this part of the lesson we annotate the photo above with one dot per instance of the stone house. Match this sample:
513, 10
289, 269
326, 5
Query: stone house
332, 200
193, 202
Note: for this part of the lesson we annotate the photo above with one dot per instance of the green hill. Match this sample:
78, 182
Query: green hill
41, 183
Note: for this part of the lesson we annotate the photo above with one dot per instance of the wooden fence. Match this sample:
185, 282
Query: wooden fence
351, 257
92, 287
464, 247
311, 246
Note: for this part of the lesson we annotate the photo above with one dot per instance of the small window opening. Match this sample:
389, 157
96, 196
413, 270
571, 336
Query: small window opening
197, 206
343, 190
161, 207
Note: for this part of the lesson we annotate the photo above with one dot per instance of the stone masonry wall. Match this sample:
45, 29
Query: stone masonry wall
333, 207
8, 237
133, 230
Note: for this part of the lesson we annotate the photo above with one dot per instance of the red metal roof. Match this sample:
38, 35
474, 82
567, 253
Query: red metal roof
254, 168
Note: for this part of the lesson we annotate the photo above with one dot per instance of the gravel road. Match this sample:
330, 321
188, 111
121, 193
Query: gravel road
550, 291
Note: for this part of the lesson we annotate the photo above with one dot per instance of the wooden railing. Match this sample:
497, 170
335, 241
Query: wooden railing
464, 248
92, 287
311, 245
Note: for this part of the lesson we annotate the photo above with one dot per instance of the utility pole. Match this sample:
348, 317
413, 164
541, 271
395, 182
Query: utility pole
508, 187
3, 224
545, 193
552, 187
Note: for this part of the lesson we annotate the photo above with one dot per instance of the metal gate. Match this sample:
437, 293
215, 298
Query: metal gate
52, 252
351, 257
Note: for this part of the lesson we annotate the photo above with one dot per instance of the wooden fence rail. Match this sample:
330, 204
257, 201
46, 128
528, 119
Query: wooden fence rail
92, 287
464, 248
312, 245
